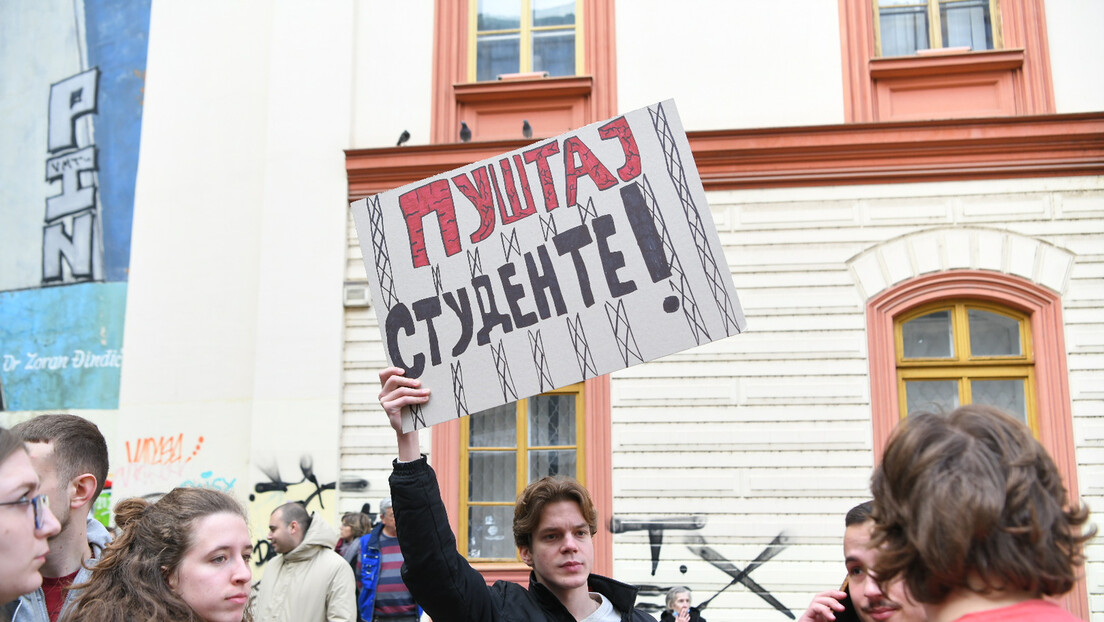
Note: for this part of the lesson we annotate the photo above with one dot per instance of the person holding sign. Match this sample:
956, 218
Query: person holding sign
554, 524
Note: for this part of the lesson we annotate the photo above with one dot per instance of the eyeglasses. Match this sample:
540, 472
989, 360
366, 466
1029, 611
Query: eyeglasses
38, 502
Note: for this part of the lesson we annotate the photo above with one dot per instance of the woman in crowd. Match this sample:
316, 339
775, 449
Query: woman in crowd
25, 524
353, 526
183, 559
678, 607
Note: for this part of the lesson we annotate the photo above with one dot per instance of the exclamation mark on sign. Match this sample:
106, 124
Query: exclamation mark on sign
648, 239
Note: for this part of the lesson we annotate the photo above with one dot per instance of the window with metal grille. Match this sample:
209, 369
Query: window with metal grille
501, 451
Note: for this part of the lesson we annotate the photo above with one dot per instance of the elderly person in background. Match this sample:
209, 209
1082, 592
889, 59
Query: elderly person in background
678, 607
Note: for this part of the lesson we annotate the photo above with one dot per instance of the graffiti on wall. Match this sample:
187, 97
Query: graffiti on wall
154, 461
697, 544
65, 231
272, 491
70, 236
152, 465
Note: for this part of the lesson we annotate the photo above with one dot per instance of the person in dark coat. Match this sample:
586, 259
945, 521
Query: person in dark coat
679, 608
554, 524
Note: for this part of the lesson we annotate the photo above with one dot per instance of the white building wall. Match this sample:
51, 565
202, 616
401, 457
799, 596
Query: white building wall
392, 72
770, 431
1076, 54
233, 330
732, 64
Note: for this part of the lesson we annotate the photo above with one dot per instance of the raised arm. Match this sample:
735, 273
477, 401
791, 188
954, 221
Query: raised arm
438, 577
399, 391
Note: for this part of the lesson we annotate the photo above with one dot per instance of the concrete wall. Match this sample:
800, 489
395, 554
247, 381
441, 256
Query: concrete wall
732, 64
234, 335
1076, 54
392, 72
233, 339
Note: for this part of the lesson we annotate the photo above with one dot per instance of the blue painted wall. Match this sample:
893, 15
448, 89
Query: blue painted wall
77, 93
118, 37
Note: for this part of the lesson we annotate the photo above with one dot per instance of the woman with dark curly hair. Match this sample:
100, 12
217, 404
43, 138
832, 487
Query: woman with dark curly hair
971, 512
184, 558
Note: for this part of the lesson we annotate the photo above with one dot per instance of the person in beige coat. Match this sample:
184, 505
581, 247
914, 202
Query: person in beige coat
307, 581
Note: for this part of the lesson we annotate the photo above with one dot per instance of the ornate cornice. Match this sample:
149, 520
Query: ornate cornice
846, 154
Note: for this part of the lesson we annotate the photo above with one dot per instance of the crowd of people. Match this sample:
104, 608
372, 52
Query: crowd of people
969, 522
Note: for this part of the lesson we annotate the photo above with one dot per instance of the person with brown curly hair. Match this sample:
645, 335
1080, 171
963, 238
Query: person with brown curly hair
185, 558
971, 512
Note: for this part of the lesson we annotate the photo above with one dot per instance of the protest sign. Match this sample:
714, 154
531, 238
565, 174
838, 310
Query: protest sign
561, 261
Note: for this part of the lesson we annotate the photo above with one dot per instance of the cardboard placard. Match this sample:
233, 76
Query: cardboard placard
571, 258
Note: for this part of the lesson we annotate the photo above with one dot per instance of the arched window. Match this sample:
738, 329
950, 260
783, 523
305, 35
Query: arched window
921, 328
956, 352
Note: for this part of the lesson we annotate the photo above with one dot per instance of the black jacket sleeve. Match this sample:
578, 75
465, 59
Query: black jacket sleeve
438, 577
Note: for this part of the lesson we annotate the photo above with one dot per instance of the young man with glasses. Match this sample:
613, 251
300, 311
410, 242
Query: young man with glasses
25, 525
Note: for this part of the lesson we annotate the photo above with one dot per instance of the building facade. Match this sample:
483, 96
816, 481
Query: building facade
910, 197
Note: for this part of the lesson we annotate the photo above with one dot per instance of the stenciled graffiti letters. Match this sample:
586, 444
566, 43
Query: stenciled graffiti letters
262, 552
306, 466
656, 526
71, 233
715, 559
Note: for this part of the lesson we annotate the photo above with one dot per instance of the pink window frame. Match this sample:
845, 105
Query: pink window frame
1044, 308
